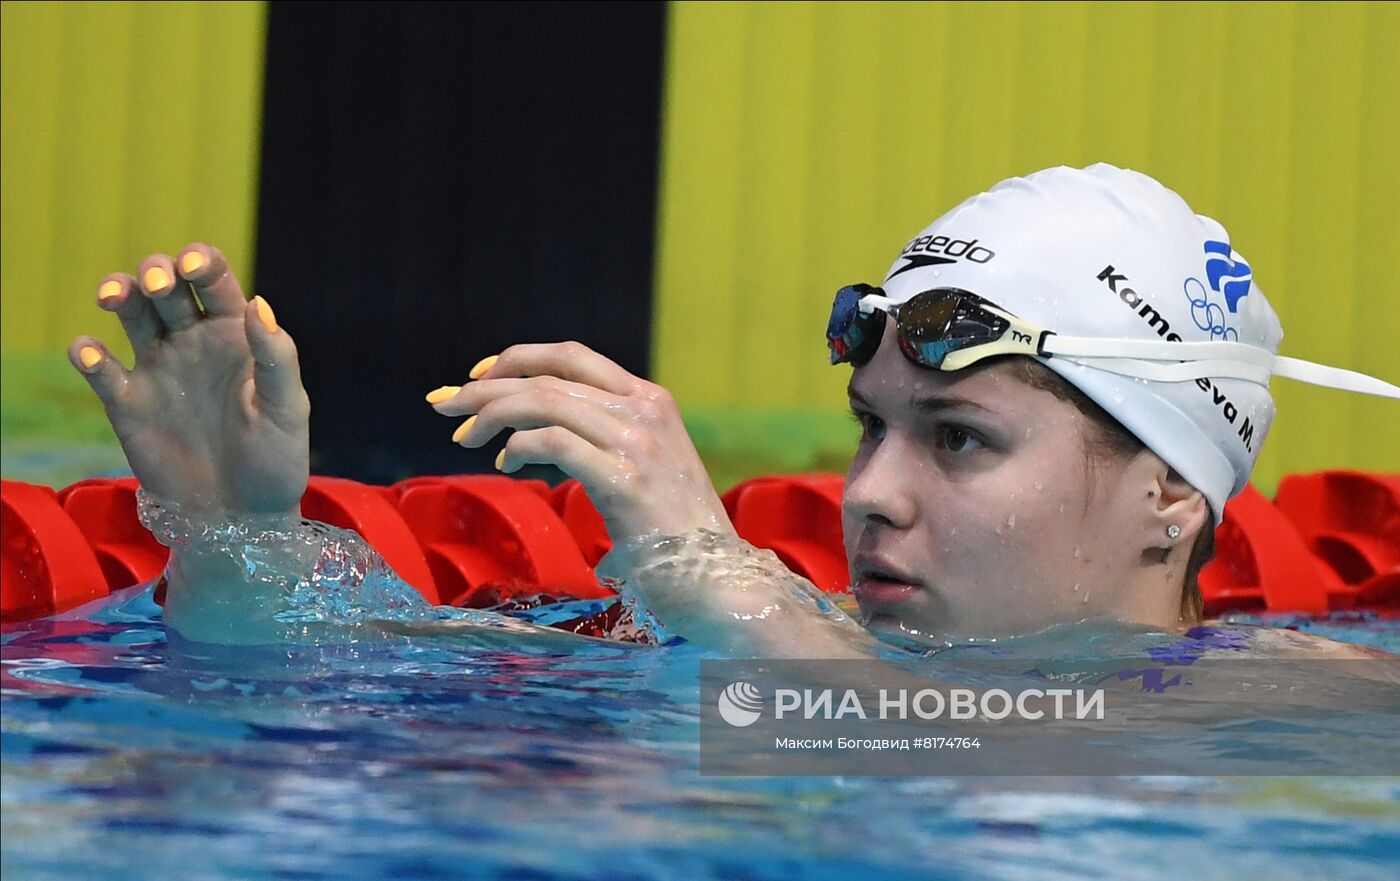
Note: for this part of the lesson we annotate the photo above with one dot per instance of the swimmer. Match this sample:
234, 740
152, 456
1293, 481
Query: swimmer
1059, 383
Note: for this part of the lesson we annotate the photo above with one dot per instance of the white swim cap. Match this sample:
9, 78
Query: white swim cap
1108, 253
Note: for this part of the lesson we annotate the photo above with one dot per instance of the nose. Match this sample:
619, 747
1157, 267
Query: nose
878, 489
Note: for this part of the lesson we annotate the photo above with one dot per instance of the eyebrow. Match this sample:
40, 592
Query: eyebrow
927, 404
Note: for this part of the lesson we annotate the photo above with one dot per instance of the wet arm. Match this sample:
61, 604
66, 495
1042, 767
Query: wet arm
270, 578
720, 592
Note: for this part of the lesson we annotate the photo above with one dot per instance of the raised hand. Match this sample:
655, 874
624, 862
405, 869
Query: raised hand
213, 416
621, 436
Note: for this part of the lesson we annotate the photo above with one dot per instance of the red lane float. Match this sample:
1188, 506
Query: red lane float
1262, 564
104, 509
489, 538
46, 564
799, 519
1331, 541
1351, 520
583, 521
369, 510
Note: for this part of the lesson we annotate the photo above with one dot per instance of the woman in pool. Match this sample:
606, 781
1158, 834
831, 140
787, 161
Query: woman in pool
1060, 383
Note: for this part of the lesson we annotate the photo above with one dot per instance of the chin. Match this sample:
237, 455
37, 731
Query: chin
899, 629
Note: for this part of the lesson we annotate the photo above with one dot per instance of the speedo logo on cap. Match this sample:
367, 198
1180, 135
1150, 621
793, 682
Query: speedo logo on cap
938, 250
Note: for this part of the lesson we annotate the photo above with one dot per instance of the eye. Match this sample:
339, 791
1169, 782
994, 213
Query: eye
872, 427
956, 439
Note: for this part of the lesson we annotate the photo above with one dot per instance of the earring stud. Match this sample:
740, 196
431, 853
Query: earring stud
1173, 532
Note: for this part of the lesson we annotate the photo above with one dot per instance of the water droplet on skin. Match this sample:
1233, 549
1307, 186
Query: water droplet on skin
1039, 486
1086, 597
1011, 521
1076, 587
1062, 508
1076, 547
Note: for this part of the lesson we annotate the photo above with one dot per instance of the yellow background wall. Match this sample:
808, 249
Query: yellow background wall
804, 143
127, 128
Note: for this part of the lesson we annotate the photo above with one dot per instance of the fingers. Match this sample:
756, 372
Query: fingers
621, 436
556, 445
104, 373
545, 402
566, 385
276, 371
461, 400
572, 361
169, 294
166, 302
119, 293
206, 269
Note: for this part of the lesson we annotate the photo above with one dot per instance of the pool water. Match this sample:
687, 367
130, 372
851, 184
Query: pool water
129, 753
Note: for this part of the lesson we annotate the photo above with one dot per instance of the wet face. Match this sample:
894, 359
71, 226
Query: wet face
970, 509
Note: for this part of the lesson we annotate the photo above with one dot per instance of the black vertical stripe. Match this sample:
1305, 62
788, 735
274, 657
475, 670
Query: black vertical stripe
441, 180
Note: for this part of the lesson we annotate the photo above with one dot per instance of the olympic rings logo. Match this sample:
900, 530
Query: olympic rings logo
1207, 315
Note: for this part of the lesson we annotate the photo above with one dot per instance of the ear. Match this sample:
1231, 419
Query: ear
1181, 504
1167, 500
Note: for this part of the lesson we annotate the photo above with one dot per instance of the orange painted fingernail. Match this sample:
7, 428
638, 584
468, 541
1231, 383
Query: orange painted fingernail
156, 280
438, 395
462, 430
501, 461
483, 365
193, 261
89, 357
108, 290
265, 314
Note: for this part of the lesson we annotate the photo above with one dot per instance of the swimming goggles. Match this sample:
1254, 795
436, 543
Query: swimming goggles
950, 329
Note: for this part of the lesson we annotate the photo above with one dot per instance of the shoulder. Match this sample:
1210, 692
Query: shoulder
1280, 643
1219, 639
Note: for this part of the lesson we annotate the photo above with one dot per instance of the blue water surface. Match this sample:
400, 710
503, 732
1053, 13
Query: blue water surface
128, 753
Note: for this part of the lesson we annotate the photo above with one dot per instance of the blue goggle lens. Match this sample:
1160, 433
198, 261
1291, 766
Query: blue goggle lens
851, 336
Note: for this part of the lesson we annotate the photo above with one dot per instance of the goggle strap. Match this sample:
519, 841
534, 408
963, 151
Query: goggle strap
1288, 368
1218, 359
1185, 371
1333, 377
870, 302
1150, 350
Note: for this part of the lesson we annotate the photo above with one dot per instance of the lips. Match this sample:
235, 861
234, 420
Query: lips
879, 582
873, 592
